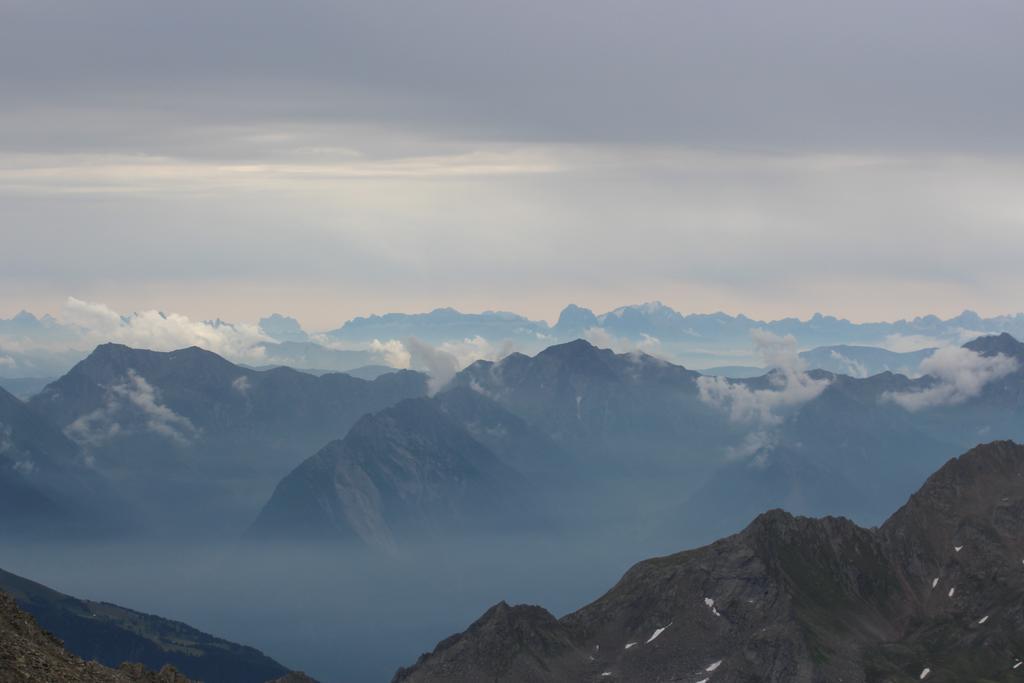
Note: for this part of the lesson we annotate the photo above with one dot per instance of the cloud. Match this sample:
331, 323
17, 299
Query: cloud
902, 343
441, 365
7, 362
393, 352
472, 349
25, 467
764, 409
602, 338
849, 366
131, 401
440, 362
160, 331
791, 385
6, 443
960, 374
242, 385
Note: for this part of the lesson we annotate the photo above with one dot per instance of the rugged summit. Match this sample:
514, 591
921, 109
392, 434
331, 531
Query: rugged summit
936, 593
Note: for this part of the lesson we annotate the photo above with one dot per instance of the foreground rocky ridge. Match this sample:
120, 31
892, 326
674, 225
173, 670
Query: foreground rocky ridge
28, 653
110, 634
936, 593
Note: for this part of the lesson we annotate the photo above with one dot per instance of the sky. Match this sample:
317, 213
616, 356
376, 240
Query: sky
331, 159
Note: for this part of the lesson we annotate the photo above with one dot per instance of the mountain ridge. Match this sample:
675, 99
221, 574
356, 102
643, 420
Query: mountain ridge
793, 599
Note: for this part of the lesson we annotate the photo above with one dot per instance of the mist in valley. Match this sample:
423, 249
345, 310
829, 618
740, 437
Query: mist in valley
340, 614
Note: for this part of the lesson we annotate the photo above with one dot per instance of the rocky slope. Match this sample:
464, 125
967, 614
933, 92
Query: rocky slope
936, 594
30, 654
110, 634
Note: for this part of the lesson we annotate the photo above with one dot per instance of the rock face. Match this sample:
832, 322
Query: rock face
110, 634
936, 593
599, 404
28, 653
407, 472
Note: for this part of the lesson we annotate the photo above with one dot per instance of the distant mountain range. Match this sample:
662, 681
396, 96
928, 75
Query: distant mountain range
627, 438
933, 594
655, 320
112, 635
575, 436
46, 347
843, 359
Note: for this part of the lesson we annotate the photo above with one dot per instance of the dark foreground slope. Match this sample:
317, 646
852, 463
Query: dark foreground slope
936, 593
111, 635
28, 653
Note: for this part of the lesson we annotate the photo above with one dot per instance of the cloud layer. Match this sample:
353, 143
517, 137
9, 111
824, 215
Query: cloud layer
761, 411
791, 386
130, 405
356, 157
161, 331
960, 374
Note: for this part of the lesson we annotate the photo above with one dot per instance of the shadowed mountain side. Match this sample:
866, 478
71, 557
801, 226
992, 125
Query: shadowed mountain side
47, 488
509, 436
189, 425
408, 471
936, 593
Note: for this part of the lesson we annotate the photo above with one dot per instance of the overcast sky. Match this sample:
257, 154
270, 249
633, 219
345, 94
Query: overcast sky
328, 159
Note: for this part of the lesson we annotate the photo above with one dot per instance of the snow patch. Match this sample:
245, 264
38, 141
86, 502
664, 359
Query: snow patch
714, 666
951, 591
629, 645
958, 548
710, 602
983, 619
935, 582
657, 632
924, 674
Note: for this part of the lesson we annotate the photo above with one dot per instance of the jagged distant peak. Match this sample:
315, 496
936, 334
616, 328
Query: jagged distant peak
648, 308
25, 316
993, 344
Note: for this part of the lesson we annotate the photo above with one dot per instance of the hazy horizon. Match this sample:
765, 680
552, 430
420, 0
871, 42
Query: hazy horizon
55, 309
329, 160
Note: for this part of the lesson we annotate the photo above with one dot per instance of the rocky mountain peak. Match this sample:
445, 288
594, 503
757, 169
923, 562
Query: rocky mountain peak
991, 345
